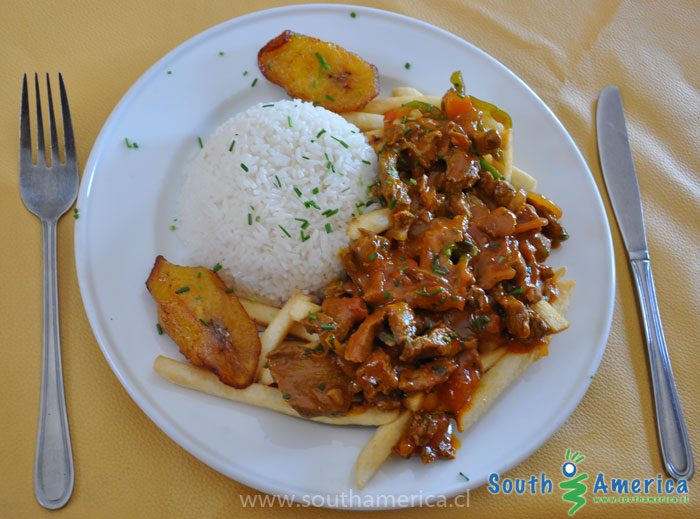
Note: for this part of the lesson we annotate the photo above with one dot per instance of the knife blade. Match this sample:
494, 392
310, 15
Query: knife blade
620, 177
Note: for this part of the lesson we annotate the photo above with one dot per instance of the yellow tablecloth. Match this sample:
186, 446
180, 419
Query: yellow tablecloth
566, 51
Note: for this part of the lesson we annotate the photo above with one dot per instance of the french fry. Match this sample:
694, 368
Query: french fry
378, 448
566, 291
258, 395
375, 222
508, 153
521, 180
264, 314
405, 92
302, 308
494, 382
490, 358
364, 121
276, 332
386, 104
554, 319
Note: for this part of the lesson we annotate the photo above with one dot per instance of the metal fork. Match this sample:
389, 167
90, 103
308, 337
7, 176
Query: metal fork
48, 192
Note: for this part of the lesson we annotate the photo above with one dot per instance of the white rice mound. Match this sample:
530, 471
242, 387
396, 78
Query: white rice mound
235, 217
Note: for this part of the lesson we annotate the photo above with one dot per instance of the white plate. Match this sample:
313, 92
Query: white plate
127, 202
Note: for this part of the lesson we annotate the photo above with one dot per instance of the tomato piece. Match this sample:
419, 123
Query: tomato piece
456, 105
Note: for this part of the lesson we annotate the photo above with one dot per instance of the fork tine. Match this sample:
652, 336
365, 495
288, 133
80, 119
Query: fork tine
68, 138
40, 145
25, 136
55, 154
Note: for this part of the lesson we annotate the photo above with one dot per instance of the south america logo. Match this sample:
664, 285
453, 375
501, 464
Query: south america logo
575, 485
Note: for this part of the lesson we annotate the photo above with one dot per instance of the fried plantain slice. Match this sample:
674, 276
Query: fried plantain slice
206, 320
318, 71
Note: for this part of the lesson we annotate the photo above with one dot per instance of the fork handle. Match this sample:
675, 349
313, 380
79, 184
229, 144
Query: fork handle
673, 433
53, 464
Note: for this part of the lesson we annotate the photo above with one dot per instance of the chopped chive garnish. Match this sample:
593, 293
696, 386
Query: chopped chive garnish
327, 327
381, 150
413, 181
285, 231
407, 65
159, 328
170, 71
343, 143
245, 72
313, 85
366, 162
172, 227
217, 267
221, 53
392, 203
128, 144
305, 157
304, 222
278, 181
297, 191
387, 294
322, 386
465, 477
289, 121
312, 317
442, 299
182, 290
204, 322
303, 236
373, 256
319, 134
201, 144
353, 14
329, 228
244, 167
257, 218
519, 290
330, 212
404, 269
330, 98
323, 62
436, 291
344, 190
268, 105
250, 219
229, 291
254, 82
233, 143
286, 396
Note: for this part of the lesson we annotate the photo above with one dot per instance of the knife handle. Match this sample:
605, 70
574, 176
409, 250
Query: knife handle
670, 422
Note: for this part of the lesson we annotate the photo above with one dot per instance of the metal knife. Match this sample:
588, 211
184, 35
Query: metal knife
623, 189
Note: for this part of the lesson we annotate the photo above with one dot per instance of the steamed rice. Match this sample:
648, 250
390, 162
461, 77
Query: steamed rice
237, 202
